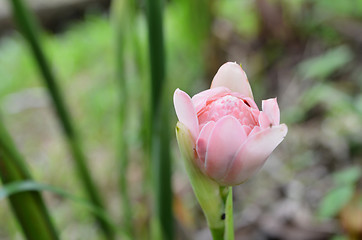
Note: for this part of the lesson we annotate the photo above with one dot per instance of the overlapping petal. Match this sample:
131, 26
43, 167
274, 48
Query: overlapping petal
202, 141
253, 153
264, 121
271, 109
225, 139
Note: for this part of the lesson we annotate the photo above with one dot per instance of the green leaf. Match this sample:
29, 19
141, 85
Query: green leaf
29, 207
324, 65
26, 186
334, 201
30, 30
339, 237
347, 176
159, 142
123, 19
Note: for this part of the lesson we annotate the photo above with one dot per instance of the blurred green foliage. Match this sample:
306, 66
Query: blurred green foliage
309, 57
321, 67
344, 186
71, 54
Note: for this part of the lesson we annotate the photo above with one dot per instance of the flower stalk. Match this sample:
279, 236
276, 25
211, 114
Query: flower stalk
229, 219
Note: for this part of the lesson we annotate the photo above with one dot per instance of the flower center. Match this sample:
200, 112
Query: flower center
219, 107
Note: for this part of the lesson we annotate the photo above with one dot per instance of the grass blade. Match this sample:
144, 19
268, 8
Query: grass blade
123, 14
28, 207
29, 29
160, 146
14, 188
156, 51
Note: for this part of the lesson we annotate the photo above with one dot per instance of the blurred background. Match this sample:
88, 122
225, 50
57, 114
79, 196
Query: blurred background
306, 53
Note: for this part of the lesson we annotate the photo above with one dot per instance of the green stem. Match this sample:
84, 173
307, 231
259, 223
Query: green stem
229, 221
29, 29
217, 233
28, 207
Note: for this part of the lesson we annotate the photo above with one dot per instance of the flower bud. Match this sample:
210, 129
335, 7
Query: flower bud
232, 138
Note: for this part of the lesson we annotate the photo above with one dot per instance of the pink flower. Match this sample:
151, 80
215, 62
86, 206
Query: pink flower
232, 137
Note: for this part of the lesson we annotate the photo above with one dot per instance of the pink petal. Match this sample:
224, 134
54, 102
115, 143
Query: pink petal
255, 113
253, 154
225, 139
264, 121
271, 109
201, 143
247, 129
199, 100
185, 112
254, 131
232, 76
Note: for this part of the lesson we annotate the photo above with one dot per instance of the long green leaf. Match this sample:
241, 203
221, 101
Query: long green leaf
29, 29
123, 19
160, 144
28, 207
11, 189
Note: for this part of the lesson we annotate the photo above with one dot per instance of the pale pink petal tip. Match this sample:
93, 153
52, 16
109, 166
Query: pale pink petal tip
232, 76
185, 112
226, 137
271, 109
253, 154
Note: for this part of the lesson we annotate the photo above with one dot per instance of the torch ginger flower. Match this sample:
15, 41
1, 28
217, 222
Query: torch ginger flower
232, 137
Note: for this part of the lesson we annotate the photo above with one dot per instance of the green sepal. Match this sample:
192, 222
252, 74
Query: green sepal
206, 190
